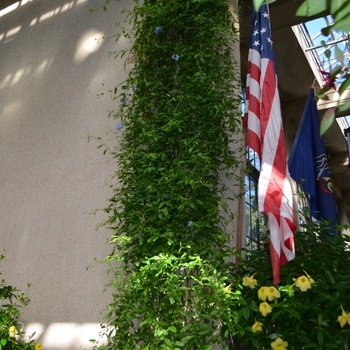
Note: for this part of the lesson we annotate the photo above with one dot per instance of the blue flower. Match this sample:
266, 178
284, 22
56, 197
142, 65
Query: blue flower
119, 126
190, 223
124, 101
175, 57
158, 30
166, 196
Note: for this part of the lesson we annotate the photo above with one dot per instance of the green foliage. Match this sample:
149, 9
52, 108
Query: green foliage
339, 9
180, 110
12, 302
305, 319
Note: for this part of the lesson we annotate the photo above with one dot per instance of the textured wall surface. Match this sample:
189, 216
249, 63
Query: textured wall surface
54, 63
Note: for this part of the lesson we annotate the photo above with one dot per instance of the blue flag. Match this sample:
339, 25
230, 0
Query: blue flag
308, 164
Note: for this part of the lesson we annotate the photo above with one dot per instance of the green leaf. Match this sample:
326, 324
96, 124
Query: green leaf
344, 85
344, 107
312, 7
255, 343
276, 314
340, 11
179, 343
335, 72
302, 10
320, 337
293, 313
336, 6
257, 4
343, 25
339, 54
172, 329
344, 337
322, 92
326, 30
3, 341
203, 328
330, 277
187, 338
168, 342
327, 120
246, 313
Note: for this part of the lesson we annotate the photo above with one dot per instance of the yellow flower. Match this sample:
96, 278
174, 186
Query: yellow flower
38, 346
279, 344
250, 281
12, 331
272, 293
344, 318
257, 327
310, 279
265, 308
268, 293
303, 283
227, 289
262, 293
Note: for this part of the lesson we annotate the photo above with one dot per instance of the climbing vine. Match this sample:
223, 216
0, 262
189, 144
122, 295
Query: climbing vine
178, 143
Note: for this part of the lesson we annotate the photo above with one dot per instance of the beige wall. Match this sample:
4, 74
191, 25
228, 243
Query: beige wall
54, 63
51, 178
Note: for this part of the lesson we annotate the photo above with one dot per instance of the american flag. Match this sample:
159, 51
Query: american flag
263, 122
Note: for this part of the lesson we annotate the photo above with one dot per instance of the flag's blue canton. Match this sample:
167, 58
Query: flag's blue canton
260, 39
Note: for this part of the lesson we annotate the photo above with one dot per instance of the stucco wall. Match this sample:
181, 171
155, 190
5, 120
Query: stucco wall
54, 63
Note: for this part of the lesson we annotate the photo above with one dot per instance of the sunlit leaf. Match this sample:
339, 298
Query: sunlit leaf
342, 25
340, 10
344, 107
335, 72
339, 54
302, 10
257, 4
327, 120
345, 84
322, 92
312, 7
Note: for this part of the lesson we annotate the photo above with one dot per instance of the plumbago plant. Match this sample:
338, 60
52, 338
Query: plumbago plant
10, 329
179, 131
311, 308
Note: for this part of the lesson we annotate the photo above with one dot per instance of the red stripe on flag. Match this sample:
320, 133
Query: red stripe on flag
267, 96
254, 141
265, 135
254, 105
273, 197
